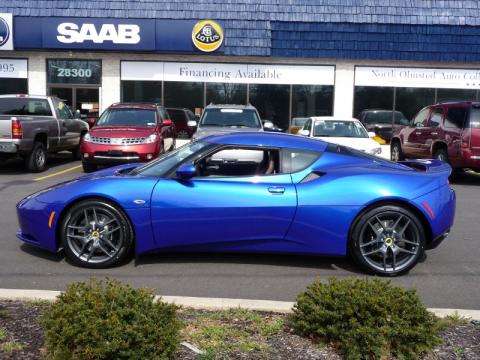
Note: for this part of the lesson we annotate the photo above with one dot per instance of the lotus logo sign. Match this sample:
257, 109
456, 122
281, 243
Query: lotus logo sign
207, 35
6, 32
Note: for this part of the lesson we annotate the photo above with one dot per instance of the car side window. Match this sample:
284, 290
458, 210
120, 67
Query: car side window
421, 118
308, 125
294, 160
176, 115
238, 162
436, 118
191, 116
455, 117
163, 114
62, 110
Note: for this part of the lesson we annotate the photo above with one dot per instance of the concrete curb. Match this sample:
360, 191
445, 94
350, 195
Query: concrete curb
212, 303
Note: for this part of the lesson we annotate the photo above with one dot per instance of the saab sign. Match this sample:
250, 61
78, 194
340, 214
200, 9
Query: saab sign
6, 38
104, 34
71, 33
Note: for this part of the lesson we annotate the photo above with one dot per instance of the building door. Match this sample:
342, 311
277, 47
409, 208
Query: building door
77, 82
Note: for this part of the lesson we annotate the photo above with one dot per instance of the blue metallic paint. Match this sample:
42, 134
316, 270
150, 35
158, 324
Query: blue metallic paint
248, 213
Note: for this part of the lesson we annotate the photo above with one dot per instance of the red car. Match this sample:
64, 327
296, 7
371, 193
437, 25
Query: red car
181, 117
128, 133
448, 131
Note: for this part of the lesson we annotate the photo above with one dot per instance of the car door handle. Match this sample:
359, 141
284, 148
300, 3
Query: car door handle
418, 133
276, 190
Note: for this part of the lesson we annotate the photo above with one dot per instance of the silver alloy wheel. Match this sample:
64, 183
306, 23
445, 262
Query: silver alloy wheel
40, 158
395, 153
182, 134
94, 235
441, 156
389, 241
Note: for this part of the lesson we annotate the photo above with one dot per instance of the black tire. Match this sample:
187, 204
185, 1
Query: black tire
396, 153
441, 154
101, 246
36, 161
88, 168
386, 251
76, 152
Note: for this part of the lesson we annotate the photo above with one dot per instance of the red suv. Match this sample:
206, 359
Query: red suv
127, 133
448, 131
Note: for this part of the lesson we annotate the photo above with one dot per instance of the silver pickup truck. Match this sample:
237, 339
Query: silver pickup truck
33, 126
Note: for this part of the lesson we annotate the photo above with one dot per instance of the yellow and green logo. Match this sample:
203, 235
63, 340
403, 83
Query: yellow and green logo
207, 35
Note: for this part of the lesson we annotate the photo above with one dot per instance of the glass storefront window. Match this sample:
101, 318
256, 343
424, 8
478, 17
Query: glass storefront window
225, 93
272, 102
74, 71
410, 100
312, 100
142, 91
13, 86
183, 94
371, 97
455, 95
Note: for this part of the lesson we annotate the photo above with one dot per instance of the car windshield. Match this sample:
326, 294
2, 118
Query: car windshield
339, 128
299, 121
228, 117
128, 117
384, 117
164, 164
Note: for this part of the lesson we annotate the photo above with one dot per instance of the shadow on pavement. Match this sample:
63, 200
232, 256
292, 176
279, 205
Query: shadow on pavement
301, 261
466, 178
40, 253
17, 167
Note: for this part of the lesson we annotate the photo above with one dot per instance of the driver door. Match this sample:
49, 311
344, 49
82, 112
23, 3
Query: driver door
237, 200
414, 135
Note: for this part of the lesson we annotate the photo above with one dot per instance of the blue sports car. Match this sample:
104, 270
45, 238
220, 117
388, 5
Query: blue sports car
249, 192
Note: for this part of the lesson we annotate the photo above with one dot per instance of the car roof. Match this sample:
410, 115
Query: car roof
177, 108
132, 105
333, 118
230, 106
380, 110
267, 139
27, 96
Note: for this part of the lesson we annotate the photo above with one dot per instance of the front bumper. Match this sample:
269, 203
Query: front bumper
118, 154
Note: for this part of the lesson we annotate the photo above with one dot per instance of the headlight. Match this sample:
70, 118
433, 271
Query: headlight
87, 137
150, 139
375, 151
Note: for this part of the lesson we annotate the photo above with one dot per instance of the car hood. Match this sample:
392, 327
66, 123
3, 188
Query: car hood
121, 131
214, 130
363, 144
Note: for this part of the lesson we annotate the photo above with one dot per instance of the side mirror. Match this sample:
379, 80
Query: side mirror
77, 114
304, 132
91, 122
268, 125
371, 134
192, 123
167, 122
186, 171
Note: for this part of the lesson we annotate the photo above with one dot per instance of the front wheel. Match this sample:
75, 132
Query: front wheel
96, 234
396, 153
387, 240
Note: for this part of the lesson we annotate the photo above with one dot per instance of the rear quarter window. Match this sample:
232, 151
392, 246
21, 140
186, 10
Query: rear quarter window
296, 160
25, 106
474, 122
455, 117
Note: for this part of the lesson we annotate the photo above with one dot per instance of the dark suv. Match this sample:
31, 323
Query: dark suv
181, 117
447, 131
380, 121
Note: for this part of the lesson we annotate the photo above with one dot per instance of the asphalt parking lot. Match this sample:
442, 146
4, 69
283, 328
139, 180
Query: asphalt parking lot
449, 276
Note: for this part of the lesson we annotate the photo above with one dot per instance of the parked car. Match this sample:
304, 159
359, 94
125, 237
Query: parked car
447, 131
128, 132
343, 131
293, 195
217, 119
269, 125
380, 121
297, 124
180, 118
34, 126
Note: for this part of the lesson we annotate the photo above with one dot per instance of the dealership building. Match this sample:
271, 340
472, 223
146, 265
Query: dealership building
288, 58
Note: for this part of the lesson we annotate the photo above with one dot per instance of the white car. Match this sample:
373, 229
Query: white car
343, 131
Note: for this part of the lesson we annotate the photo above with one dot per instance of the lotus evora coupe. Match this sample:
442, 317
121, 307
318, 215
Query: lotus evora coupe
249, 192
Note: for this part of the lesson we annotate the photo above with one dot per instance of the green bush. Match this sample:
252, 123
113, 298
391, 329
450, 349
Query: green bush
366, 319
109, 320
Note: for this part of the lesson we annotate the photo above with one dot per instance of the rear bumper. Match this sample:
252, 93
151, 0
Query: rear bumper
470, 158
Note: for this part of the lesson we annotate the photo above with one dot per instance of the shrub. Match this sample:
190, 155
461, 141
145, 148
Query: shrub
109, 320
366, 319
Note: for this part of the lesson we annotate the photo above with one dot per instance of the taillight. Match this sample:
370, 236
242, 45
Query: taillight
17, 130
466, 138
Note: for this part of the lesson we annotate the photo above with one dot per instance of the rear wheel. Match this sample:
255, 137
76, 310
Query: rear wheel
182, 134
441, 154
387, 240
396, 153
96, 234
36, 161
